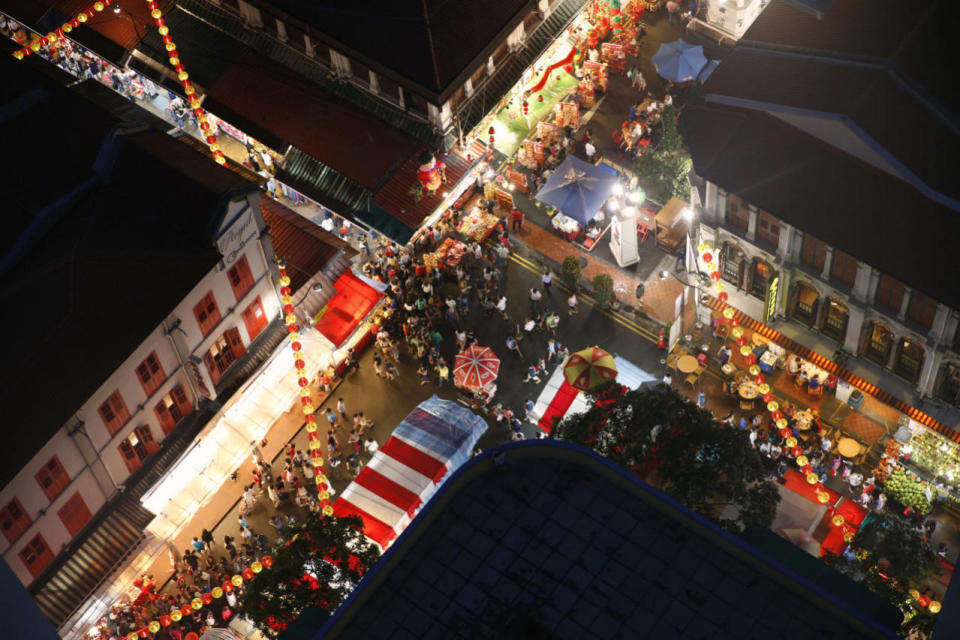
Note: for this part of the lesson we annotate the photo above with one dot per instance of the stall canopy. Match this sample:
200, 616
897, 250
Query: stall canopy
433, 440
679, 61
559, 399
579, 188
223, 445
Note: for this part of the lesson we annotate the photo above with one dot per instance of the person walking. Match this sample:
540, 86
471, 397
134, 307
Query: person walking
502, 307
572, 304
532, 375
546, 279
516, 220
332, 445
443, 374
354, 439
553, 321
342, 409
331, 417
273, 495
207, 538
513, 346
535, 297
198, 545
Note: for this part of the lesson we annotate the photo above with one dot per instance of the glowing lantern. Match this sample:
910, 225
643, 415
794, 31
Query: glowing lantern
303, 382
196, 603
802, 461
914, 594
837, 520
723, 296
82, 18
247, 574
166, 621
791, 442
746, 351
728, 313
737, 333
768, 397
217, 592
782, 423
934, 606
227, 586
823, 497
290, 318
754, 370
812, 478
206, 598
763, 387
133, 636
923, 601
759, 379
176, 616
186, 610
256, 567
154, 626
267, 561
328, 511
237, 581
773, 406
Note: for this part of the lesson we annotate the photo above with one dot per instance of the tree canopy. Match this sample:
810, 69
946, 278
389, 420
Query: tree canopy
899, 546
320, 562
679, 447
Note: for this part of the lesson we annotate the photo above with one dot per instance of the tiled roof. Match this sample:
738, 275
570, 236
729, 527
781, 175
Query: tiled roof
302, 243
553, 541
395, 196
429, 42
816, 184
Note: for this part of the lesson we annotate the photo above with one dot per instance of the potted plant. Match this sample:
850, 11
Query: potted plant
603, 291
570, 272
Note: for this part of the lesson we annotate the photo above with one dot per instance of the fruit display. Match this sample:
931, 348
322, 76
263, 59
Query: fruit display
907, 489
936, 454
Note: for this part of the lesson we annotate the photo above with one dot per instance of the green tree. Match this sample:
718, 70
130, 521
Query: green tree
898, 547
671, 141
321, 561
603, 290
570, 272
678, 447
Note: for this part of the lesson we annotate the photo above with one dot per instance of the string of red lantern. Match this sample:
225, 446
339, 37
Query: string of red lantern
184, 78
176, 615
313, 444
728, 315
54, 36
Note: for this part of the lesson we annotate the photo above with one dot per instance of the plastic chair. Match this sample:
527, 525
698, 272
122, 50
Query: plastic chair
643, 231
815, 391
702, 359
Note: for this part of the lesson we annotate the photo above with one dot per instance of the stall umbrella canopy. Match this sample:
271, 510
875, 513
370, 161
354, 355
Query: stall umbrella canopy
579, 189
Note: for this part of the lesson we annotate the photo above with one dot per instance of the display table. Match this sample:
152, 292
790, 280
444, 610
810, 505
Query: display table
804, 420
748, 390
567, 227
767, 362
449, 253
478, 224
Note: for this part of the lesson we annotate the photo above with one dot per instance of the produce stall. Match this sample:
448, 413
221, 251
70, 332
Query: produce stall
478, 224
450, 253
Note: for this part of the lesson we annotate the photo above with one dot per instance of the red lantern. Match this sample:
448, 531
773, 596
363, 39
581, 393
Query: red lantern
539, 98
768, 397
310, 418
708, 257
296, 346
759, 378
227, 586
207, 598
144, 632
303, 382
186, 610
288, 309
750, 359
166, 621
266, 561
776, 415
191, 636
299, 364
211, 139
734, 322
293, 327
796, 451
491, 139
741, 341
491, 131
723, 296
715, 276
247, 574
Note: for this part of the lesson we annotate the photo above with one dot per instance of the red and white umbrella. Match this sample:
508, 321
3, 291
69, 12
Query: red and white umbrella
475, 367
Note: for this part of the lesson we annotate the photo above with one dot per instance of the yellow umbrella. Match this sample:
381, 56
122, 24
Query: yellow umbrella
589, 368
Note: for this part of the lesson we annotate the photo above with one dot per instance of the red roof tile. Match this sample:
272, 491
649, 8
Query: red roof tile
395, 196
354, 143
300, 242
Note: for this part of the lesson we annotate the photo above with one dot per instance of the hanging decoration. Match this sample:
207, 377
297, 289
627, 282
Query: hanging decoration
52, 38
189, 90
187, 608
313, 444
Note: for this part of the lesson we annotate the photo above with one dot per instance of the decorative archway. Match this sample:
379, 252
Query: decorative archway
804, 303
835, 319
877, 342
910, 357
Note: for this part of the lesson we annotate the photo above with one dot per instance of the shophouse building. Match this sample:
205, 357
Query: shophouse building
826, 147
136, 275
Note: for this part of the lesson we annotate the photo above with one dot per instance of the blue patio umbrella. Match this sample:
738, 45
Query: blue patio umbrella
679, 61
579, 188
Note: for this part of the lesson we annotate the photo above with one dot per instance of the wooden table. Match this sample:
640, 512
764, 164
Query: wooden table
848, 447
748, 390
687, 364
804, 420
728, 369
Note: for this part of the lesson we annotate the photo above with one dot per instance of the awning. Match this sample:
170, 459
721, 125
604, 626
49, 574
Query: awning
226, 442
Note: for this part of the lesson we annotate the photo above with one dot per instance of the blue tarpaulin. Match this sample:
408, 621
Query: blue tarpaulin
579, 188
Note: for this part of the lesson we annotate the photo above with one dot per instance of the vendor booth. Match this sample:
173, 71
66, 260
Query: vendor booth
578, 189
434, 439
559, 398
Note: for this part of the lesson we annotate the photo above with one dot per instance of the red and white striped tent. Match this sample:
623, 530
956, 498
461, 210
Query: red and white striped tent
559, 399
433, 440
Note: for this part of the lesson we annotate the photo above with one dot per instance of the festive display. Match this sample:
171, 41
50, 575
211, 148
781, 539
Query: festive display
313, 438
432, 173
906, 488
51, 39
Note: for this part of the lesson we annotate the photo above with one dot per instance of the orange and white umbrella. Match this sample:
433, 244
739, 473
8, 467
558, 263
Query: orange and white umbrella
589, 368
475, 367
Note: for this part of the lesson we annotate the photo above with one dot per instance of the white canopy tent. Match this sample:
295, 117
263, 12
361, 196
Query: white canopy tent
231, 436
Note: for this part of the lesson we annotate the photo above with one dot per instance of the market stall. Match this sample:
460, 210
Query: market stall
579, 189
478, 224
449, 253
670, 233
433, 440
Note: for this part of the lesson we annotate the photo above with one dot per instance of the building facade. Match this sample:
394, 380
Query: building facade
143, 400
779, 271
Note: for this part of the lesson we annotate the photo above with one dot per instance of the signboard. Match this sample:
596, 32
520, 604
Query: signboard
231, 242
770, 304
